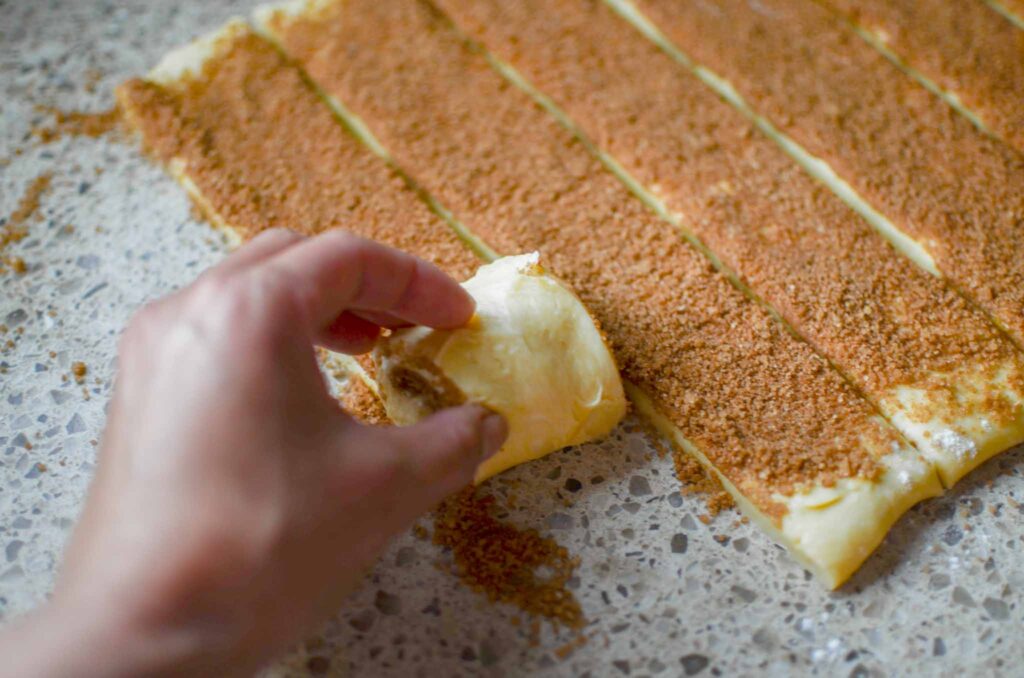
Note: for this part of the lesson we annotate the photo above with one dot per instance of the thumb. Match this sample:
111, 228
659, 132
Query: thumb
441, 453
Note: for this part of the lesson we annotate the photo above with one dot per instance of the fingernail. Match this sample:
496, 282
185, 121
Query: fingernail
493, 432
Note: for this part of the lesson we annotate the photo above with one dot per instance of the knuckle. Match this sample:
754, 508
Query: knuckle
142, 324
343, 237
376, 462
217, 297
395, 463
463, 436
289, 295
279, 233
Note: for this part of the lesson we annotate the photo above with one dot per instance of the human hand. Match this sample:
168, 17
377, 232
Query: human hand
235, 504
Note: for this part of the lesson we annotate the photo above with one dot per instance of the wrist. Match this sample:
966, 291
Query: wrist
49, 642
95, 642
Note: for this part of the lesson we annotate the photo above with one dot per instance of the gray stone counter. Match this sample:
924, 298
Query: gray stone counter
665, 593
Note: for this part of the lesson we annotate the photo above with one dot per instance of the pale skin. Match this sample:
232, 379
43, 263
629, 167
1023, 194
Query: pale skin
235, 504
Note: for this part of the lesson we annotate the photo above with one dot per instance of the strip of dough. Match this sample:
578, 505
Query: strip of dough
945, 188
803, 454
935, 366
962, 50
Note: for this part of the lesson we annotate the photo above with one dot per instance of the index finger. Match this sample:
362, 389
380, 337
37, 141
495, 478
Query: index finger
337, 272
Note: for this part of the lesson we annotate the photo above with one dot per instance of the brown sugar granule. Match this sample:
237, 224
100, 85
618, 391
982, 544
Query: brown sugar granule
565, 650
956, 191
78, 371
15, 264
265, 151
964, 47
77, 123
505, 563
765, 409
881, 319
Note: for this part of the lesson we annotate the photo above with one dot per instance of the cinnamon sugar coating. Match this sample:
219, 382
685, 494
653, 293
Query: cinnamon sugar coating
881, 319
359, 401
768, 412
264, 151
957, 191
964, 47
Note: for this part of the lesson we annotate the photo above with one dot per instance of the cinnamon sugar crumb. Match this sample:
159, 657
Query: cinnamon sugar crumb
79, 370
564, 651
77, 123
15, 231
28, 207
696, 479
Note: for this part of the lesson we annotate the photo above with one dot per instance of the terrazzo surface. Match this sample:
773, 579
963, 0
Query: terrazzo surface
665, 592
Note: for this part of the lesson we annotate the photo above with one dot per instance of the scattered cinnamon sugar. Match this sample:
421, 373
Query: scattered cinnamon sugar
505, 563
79, 370
14, 230
28, 208
77, 123
698, 480
491, 556
693, 478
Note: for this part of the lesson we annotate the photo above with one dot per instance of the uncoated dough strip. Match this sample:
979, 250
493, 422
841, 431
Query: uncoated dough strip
801, 452
936, 367
973, 56
955, 192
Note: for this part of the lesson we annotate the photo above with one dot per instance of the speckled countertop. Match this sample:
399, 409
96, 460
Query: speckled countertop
665, 593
